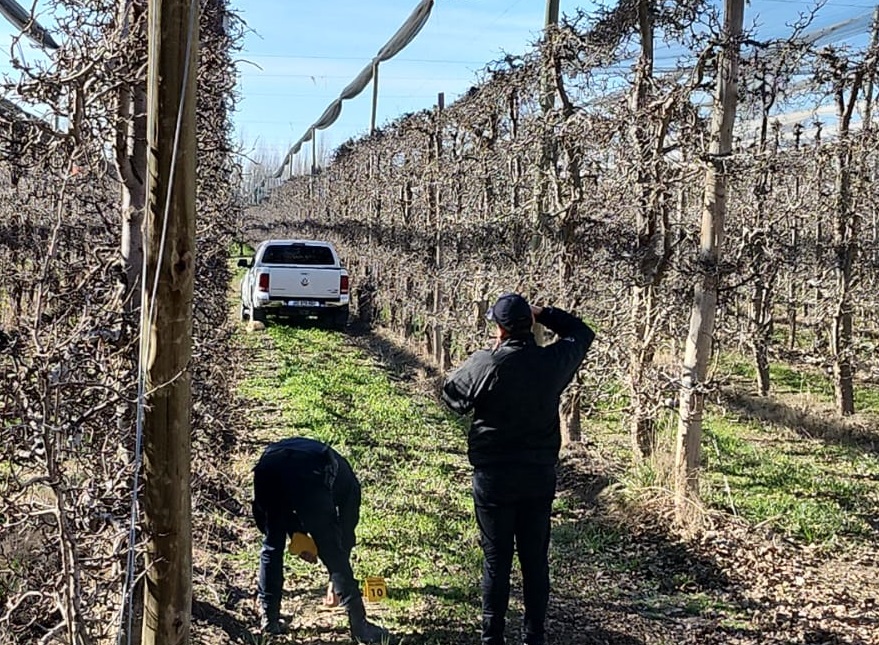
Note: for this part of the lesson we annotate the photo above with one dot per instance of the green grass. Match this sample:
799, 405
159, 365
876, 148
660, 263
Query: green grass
806, 336
820, 490
867, 399
588, 538
783, 378
815, 491
417, 528
243, 250
787, 379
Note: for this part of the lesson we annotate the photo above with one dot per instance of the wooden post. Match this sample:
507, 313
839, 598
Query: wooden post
648, 220
547, 103
131, 160
314, 152
699, 339
552, 13
374, 98
170, 227
439, 354
871, 77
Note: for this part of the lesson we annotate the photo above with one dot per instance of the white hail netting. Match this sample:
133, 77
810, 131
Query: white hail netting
405, 35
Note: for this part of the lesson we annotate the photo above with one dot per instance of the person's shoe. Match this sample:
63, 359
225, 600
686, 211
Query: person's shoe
273, 627
363, 631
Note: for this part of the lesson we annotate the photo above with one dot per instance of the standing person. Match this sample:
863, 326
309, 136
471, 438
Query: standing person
513, 391
304, 486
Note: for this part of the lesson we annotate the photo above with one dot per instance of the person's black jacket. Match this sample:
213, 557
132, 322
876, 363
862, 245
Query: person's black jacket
288, 471
514, 390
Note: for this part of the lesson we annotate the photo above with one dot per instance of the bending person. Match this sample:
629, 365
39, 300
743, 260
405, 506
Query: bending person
304, 486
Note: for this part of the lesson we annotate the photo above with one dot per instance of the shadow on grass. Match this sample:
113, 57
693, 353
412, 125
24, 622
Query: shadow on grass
620, 575
435, 632
469, 596
302, 322
629, 587
400, 361
843, 432
234, 628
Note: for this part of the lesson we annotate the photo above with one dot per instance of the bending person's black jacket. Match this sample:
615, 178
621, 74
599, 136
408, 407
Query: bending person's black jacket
514, 390
302, 485
288, 473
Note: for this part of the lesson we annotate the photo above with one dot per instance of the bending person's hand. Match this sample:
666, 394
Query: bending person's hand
332, 598
308, 556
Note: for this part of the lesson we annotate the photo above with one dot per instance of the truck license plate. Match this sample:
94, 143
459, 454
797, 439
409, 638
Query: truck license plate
303, 303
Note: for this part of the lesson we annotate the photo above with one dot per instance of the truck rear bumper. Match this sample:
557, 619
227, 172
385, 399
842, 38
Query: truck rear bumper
280, 307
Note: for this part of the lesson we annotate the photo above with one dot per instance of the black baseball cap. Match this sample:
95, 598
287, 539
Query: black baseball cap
512, 312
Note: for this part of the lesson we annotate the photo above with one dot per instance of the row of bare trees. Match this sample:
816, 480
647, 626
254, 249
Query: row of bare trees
652, 206
72, 198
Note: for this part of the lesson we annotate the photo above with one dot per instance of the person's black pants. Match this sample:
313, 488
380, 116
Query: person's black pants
329, 510
513, 506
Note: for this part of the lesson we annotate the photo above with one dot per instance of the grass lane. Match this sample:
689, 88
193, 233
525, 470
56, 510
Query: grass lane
416, 528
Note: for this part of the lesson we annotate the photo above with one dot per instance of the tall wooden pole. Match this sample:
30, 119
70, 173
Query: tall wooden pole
547, 103
699, 339
314, 152
871, 77
440, 355
552, 14
170, 227
541, 179
374, 99
648, 221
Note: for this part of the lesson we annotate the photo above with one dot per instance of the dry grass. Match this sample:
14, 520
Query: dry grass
807, 415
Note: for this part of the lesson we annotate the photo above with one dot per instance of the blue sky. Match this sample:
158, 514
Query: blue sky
298, 55
307, 53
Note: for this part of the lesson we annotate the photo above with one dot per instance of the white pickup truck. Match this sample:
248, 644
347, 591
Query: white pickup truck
295, 278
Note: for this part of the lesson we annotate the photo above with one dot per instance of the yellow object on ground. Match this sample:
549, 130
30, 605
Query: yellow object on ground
375, 589
301, 543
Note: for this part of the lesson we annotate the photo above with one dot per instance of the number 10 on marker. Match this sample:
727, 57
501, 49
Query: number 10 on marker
375, 589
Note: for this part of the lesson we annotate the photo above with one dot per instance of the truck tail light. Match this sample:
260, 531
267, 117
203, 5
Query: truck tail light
343, 285
263, 282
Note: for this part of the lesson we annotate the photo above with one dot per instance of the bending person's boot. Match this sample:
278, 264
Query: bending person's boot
273, 626
270, 622
363, 631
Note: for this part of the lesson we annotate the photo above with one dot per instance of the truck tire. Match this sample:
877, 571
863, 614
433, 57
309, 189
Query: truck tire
242, 313
258, 315
340, 319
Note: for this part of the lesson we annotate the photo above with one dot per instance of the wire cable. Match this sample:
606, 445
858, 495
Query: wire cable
812, 3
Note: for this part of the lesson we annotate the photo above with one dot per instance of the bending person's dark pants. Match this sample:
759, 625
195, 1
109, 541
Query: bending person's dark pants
513, 506
327, 506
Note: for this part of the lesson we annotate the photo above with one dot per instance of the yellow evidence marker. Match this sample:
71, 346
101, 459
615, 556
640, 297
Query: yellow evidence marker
375, 589
302, 543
